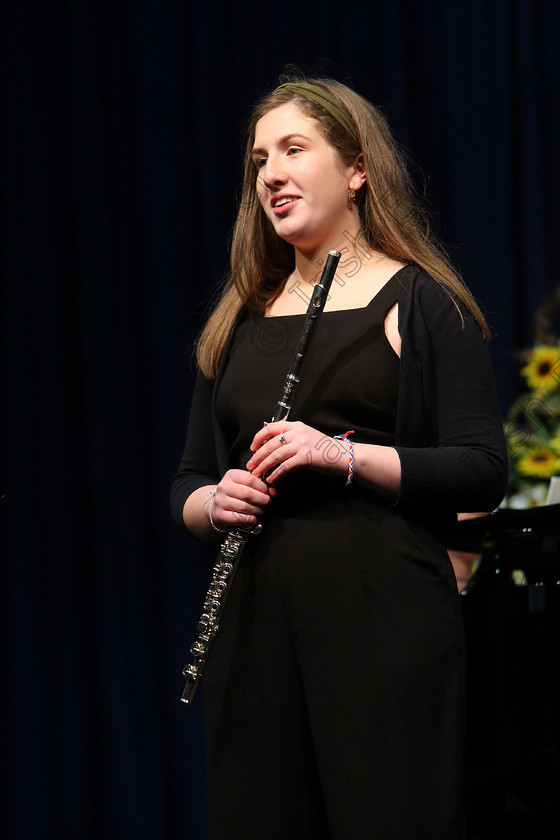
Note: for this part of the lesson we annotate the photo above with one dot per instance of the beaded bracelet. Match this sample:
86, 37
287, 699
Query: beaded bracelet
345, 437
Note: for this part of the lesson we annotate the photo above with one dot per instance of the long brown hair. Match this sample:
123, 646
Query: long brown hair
391, 218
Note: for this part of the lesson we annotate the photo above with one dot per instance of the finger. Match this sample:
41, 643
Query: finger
243, 499
271, 430
241, 484
224, 518
238, 509
280, 455
244, 519
241, 478
235, 510
267, 456
268, 449
278, 472
258, 486
232, 519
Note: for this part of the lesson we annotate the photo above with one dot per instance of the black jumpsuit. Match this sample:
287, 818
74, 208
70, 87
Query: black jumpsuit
334, 697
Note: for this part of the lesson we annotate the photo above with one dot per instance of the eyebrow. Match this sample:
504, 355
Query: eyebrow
283, 140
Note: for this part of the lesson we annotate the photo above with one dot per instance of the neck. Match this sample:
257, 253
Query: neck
309, 263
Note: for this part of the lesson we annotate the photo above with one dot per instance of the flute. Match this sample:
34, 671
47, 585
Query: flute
227, 561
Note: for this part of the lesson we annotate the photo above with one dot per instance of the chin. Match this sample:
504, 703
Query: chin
297, 237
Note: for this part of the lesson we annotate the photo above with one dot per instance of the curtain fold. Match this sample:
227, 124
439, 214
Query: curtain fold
121, 164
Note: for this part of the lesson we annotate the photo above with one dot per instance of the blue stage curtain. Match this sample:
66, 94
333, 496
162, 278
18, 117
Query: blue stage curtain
122, 139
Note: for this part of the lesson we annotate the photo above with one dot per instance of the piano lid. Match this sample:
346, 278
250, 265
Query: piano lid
503, 526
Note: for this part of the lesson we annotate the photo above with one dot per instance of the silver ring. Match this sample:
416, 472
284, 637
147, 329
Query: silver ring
282, 439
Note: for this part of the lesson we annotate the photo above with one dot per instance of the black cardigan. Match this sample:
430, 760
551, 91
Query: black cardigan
448, 436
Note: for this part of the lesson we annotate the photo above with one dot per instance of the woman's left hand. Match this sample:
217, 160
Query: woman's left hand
282, 447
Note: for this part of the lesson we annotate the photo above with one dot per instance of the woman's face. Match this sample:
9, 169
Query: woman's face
302, 183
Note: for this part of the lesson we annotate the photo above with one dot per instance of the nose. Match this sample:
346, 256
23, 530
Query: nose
272, 174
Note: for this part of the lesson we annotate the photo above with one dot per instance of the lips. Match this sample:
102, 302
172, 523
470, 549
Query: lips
282, 203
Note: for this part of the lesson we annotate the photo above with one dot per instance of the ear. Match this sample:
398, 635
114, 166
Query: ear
358, 174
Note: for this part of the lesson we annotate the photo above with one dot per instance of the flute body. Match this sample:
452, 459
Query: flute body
227, 560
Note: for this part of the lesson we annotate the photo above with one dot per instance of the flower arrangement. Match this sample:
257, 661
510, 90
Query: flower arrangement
532, 429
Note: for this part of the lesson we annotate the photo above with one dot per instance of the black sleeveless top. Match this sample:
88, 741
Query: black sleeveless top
348, 378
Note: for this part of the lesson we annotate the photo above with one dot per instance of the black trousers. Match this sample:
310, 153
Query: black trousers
334, 699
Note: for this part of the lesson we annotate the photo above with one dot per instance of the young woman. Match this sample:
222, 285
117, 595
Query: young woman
334, 697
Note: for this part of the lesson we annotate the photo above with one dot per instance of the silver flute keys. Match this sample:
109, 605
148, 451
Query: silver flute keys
209, 622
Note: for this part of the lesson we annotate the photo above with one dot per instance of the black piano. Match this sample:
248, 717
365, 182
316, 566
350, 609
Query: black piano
511, 610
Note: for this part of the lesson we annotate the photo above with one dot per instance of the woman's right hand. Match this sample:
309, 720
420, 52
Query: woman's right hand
240, 500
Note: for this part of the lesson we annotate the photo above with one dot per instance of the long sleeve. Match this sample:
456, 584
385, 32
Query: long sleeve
199, 464
449, 431
206, 455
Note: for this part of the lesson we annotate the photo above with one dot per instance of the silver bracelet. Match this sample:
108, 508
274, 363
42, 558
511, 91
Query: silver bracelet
210, 499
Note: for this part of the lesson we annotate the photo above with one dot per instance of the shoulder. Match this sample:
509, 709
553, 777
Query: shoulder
417, 286
425, 301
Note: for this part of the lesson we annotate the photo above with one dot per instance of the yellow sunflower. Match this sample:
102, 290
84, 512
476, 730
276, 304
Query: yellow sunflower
539, 462
542, 371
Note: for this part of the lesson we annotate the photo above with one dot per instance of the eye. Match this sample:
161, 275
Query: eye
294, 149
260, 162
